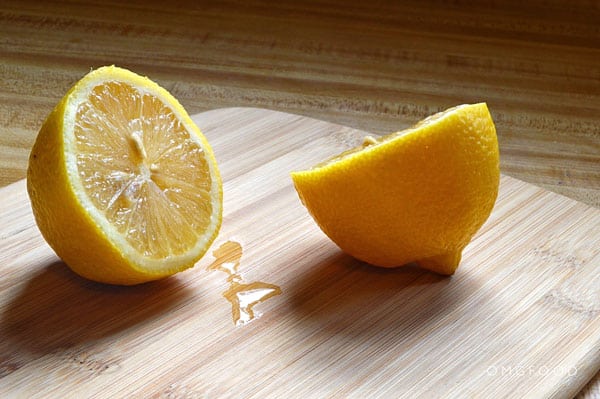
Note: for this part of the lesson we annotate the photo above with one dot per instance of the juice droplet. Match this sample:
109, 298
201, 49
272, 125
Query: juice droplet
242, 296
227, 258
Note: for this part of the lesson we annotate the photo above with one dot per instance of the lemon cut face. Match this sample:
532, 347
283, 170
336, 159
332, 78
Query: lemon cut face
418, 195
123, 185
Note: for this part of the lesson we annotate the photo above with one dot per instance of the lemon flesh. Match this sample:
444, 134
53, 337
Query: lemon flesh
123, 185
419, 195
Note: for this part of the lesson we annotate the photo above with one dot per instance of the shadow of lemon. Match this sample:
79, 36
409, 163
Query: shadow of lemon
59, 312
346, 297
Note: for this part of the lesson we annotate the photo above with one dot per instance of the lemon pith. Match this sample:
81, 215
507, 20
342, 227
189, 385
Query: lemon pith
414, 196
123, 185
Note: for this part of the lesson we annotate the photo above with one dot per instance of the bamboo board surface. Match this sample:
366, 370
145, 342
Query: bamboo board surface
520, 318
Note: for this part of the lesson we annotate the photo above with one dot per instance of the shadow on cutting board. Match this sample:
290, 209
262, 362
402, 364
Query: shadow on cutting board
58, 310
345, 297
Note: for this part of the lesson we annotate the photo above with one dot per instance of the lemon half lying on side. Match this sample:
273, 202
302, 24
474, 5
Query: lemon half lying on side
418, 195
123, 185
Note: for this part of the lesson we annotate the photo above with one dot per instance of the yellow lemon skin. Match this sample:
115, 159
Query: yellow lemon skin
414, 196
64, 218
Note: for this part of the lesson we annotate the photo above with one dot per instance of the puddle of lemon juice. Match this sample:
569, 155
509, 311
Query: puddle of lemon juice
227, 258
242, 296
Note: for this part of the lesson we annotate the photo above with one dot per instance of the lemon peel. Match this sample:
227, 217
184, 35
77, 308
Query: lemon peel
418, 195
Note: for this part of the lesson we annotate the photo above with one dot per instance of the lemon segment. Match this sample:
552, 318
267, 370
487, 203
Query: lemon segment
123, 185
417, 195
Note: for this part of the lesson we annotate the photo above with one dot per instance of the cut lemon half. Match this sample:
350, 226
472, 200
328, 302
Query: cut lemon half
418, 195
123, 185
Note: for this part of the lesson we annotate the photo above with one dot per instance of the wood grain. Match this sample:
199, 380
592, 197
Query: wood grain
378, 66
520, 318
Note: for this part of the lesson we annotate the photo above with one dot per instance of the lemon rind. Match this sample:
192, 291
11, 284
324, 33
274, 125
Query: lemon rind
387, 140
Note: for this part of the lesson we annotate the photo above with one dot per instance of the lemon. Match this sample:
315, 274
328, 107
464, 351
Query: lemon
418, 195
123, 185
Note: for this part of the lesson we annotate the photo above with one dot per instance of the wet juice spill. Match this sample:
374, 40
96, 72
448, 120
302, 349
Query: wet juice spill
227, 258
242, 296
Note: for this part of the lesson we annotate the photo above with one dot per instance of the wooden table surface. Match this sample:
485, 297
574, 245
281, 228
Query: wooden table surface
378, 66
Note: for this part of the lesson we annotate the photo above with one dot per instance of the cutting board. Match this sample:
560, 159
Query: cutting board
520, 318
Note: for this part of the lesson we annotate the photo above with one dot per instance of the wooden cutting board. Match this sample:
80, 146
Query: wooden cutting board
520, 318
